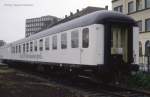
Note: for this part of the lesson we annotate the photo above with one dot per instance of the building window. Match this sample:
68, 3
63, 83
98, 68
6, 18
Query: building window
27, 47
119, 8
130, 7
147, 48
35, 45
139, 4
147, 24
64, 40
47, 43
140, 49
41, 44
31, 46
74, 39
85, 38
140, 25
147, 3
23, 48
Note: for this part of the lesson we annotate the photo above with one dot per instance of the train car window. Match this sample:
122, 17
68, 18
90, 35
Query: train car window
27, 47
16, 49
13, 49
64, 40
54, 42
35, 45
74, 39
41, 44
23, 48
31, 46
85, 38
19, 48
47, 43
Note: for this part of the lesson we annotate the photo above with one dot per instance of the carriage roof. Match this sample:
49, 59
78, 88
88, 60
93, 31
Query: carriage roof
97, 17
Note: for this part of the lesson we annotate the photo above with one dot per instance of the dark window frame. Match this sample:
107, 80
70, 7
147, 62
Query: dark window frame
140, 28
140, 49
147, 48
146, 29
131, 2
146, 4
119, 8
137, 4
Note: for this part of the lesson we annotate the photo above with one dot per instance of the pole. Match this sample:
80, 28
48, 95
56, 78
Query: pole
148, 63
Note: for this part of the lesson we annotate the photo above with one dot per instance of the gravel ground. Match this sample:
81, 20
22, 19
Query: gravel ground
17, 84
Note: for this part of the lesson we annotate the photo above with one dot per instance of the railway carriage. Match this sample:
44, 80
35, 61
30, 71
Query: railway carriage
103, 42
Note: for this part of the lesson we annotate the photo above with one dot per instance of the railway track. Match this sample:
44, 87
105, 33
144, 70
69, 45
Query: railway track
124, 92
95, 89
88, 86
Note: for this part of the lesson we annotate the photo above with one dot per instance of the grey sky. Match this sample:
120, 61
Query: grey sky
14, 12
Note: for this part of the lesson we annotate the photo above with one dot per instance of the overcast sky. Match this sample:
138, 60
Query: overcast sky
14, 12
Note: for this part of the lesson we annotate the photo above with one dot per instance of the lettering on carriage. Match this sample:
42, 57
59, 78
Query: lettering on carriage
37, 56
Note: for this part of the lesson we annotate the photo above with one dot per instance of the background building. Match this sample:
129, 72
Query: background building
140, 11
34, 25
2, 43
82, 12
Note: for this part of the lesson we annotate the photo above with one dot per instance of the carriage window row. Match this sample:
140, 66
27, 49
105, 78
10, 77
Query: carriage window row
33, 45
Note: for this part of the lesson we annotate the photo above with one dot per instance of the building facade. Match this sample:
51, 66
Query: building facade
35, 25
140, 11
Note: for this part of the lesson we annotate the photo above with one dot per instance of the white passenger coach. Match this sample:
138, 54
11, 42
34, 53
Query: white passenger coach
103, 41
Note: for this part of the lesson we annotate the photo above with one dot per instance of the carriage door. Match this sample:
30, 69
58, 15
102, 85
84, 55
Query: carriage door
85, 52
119, 43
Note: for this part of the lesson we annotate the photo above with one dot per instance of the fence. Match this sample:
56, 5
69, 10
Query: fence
144, 63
